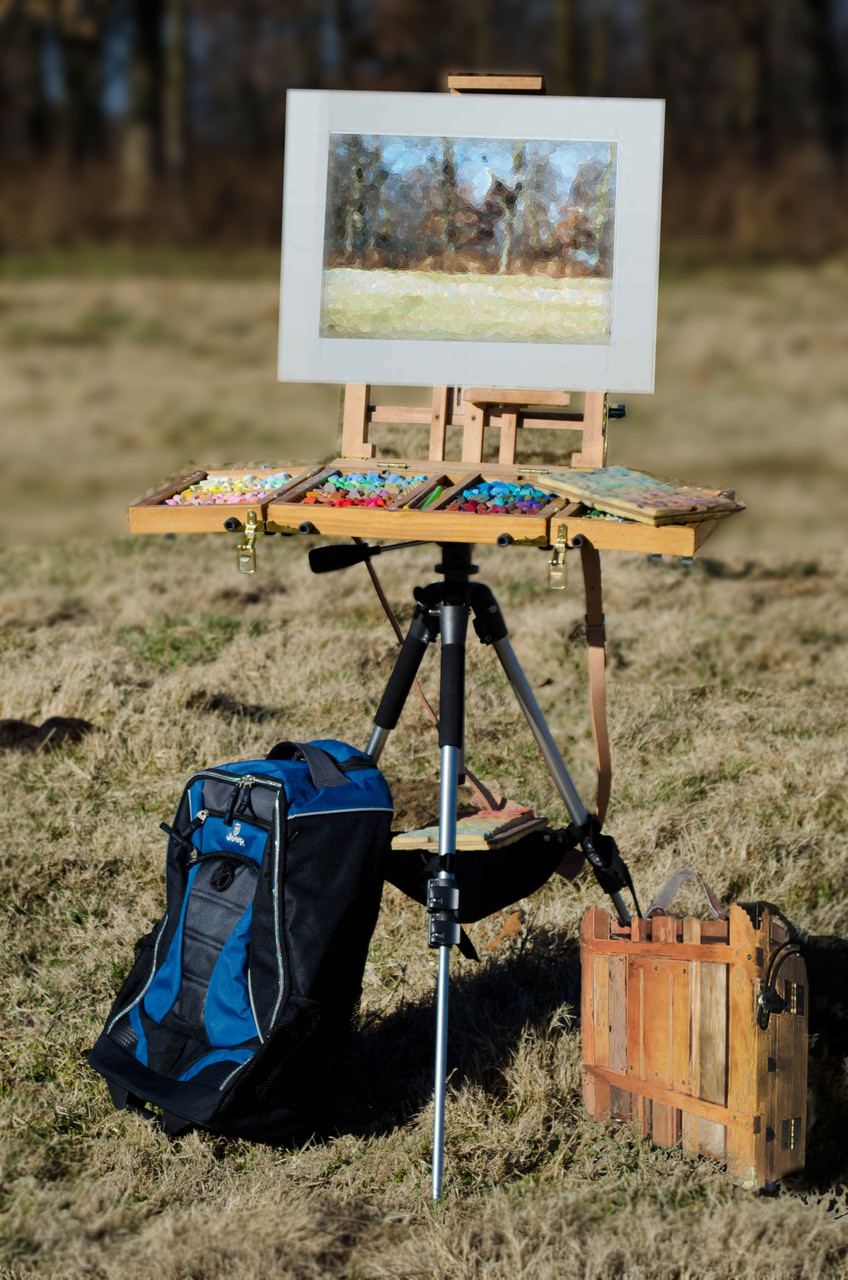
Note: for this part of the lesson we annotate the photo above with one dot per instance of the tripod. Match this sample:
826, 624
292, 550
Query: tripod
442, 611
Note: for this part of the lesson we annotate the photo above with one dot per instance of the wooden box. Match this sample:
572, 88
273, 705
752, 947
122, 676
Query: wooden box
670, 1037
284, 512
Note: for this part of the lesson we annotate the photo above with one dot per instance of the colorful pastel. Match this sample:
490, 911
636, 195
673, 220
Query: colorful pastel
229, 490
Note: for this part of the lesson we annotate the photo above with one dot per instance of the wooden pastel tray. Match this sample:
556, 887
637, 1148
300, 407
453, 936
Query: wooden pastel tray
153, 514
285, 512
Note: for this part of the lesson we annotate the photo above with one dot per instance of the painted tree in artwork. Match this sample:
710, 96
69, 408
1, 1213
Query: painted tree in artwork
588, 224
508, 198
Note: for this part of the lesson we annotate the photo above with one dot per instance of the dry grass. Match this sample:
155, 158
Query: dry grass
728, 712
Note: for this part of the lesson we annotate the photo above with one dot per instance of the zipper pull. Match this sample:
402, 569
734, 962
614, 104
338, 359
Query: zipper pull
231, 806
194, 853
248, 783
185, 840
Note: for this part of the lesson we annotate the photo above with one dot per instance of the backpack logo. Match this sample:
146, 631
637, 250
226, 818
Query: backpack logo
234, 836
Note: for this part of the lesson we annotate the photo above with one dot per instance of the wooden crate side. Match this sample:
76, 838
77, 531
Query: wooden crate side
621, 1100
595, 1094
690, 1131
600, 1001
636, 1041
786, 1107
659, 1032
747, 1046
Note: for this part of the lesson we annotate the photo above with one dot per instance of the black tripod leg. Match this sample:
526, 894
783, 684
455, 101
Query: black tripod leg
423, 628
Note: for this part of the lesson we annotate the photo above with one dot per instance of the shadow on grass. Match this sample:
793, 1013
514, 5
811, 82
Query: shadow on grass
827, 1098
389, 1067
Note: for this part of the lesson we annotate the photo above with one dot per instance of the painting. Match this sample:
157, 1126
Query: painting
519, 254
468, 239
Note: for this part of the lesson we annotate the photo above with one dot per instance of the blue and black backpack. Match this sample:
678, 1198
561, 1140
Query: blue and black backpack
238, 998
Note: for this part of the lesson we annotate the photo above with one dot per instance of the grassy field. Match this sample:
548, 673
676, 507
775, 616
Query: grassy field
728, 693
463, 307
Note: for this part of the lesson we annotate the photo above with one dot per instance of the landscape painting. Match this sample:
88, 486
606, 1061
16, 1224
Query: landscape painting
477, 240
469, 239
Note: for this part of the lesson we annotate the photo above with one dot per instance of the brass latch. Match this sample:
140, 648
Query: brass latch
557, 573
246, 554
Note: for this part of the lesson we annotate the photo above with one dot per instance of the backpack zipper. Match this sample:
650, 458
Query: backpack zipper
186, 841
143, 991
197, 856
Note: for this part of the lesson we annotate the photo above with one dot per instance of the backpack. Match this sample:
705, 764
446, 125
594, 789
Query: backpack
239, 997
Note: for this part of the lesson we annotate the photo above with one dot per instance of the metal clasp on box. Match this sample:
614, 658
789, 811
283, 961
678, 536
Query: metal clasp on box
246, 554
557, 572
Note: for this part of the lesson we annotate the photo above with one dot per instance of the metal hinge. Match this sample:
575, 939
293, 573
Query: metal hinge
793, 994
790, 1133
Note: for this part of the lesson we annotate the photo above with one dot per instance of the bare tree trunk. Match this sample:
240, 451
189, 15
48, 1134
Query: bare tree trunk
753, 77
828, 81
82, 41
141, 156
565, 46
343, 23
174, 91
511, 208
483, 34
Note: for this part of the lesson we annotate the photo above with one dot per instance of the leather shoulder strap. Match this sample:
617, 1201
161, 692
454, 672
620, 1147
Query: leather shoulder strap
596, 641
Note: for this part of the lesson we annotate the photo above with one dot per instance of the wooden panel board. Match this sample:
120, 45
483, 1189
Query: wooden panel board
477, 82
659, 1032
355, 421
690, 1133
439, 420
706, 1113
474, 418
621, 1101
500, 396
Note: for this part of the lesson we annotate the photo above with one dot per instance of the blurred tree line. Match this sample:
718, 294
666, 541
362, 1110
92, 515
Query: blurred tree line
496, 213
163, 120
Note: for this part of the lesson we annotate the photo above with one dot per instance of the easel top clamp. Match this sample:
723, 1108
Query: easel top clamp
474, 410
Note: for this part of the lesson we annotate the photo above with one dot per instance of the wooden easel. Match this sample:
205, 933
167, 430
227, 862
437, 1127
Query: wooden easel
476, 409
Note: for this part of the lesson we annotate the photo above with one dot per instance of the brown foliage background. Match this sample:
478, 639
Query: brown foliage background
162, 121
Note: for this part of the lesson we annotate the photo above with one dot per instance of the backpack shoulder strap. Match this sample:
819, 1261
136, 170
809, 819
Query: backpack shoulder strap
596, 641
322, 767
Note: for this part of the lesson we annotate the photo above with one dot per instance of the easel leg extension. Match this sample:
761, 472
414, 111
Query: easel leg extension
584, 823
442, 893
443, 610
442, 903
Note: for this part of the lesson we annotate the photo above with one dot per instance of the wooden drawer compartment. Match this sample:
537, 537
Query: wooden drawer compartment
153, 514
406, 518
